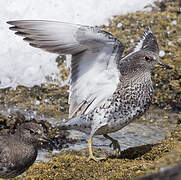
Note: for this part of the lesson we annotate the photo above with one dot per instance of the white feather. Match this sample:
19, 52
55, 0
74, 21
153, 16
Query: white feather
95, 58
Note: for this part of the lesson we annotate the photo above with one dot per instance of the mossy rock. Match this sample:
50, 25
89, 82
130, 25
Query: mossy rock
133, 162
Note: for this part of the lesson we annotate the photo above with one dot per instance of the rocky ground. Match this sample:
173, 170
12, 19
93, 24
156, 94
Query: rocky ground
50, 100
133, 162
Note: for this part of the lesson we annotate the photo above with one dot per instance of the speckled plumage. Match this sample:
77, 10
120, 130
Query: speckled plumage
130, 100
19, 151
107, 91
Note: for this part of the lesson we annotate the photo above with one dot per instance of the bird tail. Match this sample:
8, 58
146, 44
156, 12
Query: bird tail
73, 123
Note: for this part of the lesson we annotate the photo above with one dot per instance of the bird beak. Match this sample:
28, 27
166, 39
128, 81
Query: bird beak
43, 138
164, 65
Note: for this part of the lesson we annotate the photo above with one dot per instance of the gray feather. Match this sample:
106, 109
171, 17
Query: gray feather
95, 57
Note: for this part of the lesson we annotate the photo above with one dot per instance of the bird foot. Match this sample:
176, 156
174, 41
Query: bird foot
92, 157
116, 147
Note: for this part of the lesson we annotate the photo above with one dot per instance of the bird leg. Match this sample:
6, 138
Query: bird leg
115, 144
91, 156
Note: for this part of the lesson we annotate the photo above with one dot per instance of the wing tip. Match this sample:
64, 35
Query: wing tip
13, 22
13, 28
27, 39
10, 22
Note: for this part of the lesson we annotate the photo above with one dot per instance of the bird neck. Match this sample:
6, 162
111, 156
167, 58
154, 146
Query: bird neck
137, 76
24, 139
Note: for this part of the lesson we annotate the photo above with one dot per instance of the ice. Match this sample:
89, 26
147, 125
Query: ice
24, 65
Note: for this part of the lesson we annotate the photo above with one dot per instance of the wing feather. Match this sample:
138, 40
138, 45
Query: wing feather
147, 42
95, 57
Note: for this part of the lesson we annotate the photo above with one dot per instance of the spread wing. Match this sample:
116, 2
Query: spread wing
147, 42
95, 57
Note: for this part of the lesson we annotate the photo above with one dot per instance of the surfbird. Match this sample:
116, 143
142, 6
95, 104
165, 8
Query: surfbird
107, 90
18, 151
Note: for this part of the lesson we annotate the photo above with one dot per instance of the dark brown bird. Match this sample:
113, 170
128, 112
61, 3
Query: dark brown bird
19, 151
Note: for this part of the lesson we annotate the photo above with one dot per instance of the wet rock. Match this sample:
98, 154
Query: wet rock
166, 173
133, 162
10, 123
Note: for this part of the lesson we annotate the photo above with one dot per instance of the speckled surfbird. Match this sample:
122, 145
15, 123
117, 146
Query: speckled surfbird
107, 91
18, 151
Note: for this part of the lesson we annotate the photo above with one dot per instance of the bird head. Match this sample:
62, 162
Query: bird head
147, 60
144, 55
31, 133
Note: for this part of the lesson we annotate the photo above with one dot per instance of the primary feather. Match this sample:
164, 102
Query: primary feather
95, 58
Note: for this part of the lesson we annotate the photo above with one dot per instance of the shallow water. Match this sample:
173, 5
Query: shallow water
151, 129
132, 135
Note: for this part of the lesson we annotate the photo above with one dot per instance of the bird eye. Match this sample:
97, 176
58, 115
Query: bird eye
147, 58
32, 132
